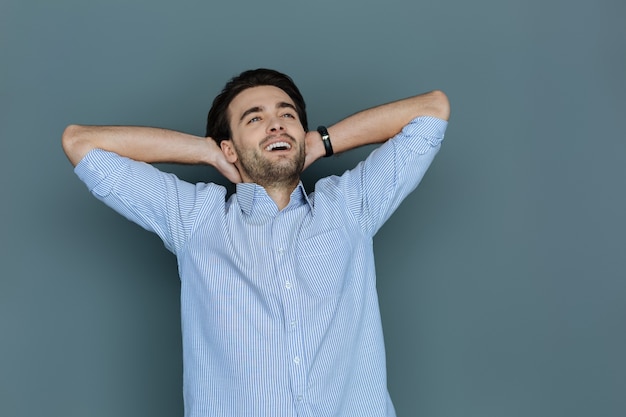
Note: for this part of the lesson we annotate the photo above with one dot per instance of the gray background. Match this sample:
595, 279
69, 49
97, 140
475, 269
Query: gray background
502, 280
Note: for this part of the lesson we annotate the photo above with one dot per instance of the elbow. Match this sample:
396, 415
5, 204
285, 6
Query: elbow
440, 105
72, 143
69, 136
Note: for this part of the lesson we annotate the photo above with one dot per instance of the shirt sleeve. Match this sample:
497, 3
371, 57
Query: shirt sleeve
376, 187
155, 200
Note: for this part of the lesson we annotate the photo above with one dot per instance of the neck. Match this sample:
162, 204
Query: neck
280, 193
278, 184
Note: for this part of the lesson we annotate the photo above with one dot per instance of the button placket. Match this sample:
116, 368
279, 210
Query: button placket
283, 241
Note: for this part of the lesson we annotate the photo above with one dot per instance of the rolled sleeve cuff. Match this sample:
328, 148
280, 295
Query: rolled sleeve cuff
423, 133
100, 170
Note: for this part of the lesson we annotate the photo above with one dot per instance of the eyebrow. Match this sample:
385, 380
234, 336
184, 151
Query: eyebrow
257, 109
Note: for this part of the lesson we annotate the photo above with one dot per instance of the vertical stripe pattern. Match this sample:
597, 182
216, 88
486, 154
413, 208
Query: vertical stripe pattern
280, 314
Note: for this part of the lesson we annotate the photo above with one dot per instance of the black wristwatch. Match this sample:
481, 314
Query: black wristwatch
326, 139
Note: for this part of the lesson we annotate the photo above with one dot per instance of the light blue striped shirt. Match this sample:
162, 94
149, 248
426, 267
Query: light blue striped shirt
280, 313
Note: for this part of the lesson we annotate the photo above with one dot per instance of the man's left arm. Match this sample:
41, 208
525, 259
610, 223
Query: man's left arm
377, 124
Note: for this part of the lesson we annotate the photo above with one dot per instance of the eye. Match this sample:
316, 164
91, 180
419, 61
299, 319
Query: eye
254, 119
289, 116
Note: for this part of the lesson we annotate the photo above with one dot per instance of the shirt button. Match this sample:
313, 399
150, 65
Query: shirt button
288, 285
300, 398
292, 324
281, 251
296, 360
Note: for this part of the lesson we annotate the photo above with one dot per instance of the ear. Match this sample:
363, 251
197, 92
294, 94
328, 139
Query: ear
229, 150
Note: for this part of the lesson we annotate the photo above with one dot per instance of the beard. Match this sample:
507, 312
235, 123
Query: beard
284, 171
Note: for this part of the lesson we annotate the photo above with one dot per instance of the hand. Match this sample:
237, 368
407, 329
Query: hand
314, 148
219, 162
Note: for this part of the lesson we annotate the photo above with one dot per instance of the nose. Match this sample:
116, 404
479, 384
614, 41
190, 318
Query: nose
275, 125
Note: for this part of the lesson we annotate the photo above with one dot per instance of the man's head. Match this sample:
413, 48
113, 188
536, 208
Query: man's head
218, 120
259, 121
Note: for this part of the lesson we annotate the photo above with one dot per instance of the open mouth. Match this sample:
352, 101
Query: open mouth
278, 146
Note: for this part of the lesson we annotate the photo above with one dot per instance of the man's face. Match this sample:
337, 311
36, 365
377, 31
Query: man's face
267, 143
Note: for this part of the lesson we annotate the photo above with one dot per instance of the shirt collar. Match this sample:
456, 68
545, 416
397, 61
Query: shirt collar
254, 201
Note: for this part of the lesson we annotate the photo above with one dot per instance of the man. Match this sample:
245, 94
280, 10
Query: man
278, 295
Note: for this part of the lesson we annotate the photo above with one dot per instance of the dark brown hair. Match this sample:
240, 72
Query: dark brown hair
218, 124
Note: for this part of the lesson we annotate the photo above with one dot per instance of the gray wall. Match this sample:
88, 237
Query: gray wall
502, 280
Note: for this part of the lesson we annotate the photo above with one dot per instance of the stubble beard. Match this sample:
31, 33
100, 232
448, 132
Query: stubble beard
283, 172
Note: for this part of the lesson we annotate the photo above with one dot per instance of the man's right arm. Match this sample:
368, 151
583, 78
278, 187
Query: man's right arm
146, 144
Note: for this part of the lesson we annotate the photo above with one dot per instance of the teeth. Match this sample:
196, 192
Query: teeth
275, 145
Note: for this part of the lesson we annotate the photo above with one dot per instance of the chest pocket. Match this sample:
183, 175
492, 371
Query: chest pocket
323, 263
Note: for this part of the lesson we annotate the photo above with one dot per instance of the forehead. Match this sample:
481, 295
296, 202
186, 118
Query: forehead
265, 96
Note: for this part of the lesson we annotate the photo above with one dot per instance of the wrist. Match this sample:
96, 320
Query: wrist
328, 147
211, 152
320, 151
314, 147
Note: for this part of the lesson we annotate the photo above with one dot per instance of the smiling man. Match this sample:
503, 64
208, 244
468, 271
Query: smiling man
267, 140
279, 308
